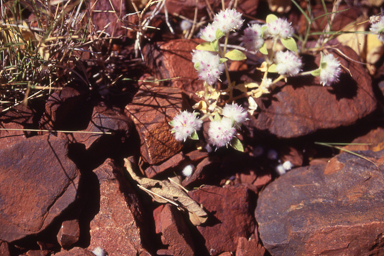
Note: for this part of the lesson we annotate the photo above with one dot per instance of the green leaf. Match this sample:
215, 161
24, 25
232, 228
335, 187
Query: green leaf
263, 28
194, 136
272, 68
316, 72
219, 34
215, 45
197, 65
171, 123
206, 46
236, 144
270, 18
235, 55
263, 49
222, 60
216, 117
290, 44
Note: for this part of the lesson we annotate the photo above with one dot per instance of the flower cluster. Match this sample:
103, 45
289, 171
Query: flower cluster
225, 21
287, 63
252, 39
377, 27
329, 70
185, 125
221, 130
207, 65
279, 28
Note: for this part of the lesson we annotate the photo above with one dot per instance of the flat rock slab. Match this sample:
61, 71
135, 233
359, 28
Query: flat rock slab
330, 209
229, 216
114, 228
37, 182
303, 106
151, 110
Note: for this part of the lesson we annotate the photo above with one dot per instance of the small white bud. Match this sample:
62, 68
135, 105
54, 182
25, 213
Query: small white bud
280, 169
287, 165
98, 251
188, 170
185, 25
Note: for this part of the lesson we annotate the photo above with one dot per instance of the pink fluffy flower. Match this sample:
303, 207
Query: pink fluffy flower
252, 39
377, 27
208, 66
221, 132
185, 124
235, 113
209, 33
287, 63
330, 70
279, 28
228, 20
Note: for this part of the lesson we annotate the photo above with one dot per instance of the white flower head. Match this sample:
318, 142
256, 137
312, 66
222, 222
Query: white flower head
279, 28
221, 132
228, 20
185, 124
266, 82
207, 65
252, 39
377, 27
329, 70
287, 63
235, 113
209, 32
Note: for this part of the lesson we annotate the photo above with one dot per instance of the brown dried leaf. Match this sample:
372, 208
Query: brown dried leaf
165, 191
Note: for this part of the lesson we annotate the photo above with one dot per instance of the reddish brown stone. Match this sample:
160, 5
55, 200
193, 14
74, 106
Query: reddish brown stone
250, 247
66, 109
374, 140
151, 110
303, 106
38, 252
292, 155
69, 233
316, 210
114, 228
167, 166
262, 180
9, 137
197, 155
200, 175
4, 249
174, 231
101, 17
230, 217
37, 182
174, 59
104, 120
75, 251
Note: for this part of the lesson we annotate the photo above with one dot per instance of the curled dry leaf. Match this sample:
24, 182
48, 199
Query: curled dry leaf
166, 191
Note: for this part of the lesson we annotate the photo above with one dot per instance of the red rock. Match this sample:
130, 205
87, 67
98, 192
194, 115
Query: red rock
197, 155
292, 155
37, 182
4, 249
199, 175
101, 18
230, 216
114, 228
38, 252
174, 231
247, 247
325, 209
151, 110
262, 180
374, 140
75, 251
303, 106
104, 120
9, 137
174, 59
69, 233
167, 166
66, 109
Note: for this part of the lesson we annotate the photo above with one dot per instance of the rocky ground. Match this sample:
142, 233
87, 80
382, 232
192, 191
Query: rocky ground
77, 193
